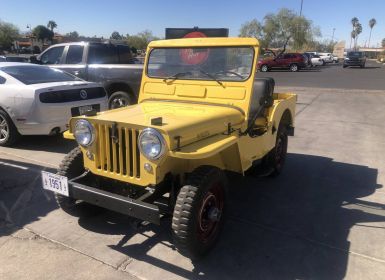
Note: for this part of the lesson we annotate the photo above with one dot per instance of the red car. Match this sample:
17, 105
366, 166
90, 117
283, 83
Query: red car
291, 61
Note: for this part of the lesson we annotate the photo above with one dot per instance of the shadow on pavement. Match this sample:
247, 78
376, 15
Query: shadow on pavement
295, 226
22, 198
56, 144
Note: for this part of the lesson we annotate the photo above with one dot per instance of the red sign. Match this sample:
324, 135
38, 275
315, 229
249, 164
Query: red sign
194, 56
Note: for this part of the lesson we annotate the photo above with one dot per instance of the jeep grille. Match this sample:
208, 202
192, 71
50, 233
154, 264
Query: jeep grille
121, 157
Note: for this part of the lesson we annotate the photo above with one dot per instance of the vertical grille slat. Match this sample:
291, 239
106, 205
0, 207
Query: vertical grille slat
121, 158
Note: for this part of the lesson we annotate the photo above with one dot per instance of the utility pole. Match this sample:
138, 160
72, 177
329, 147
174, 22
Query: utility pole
30, 36
300, 11
333, 35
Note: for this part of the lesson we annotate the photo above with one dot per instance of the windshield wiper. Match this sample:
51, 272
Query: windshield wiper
211, 76
176, 76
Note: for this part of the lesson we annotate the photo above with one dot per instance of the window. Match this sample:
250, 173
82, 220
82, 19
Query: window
52, 56
125, 55
103, 54
75, 54
287, 56
36, 74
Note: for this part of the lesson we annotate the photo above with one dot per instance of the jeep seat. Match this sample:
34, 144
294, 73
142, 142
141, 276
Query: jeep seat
262, 97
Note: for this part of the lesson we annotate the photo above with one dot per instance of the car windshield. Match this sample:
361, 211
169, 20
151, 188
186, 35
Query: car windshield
37, 74
212, 63
355, 54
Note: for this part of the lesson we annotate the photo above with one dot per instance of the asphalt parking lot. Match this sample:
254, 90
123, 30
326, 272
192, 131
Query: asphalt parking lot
323, 218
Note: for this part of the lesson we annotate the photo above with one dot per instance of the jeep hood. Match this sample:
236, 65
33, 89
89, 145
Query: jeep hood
190, 121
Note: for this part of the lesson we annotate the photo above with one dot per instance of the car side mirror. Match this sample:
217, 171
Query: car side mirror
33, 59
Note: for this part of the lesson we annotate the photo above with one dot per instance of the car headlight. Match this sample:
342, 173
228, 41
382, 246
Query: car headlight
84, 132
151, 143
346, 58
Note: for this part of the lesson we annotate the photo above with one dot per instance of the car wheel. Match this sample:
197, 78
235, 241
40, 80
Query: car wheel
294, 68
274, 161
120, 99
344, 66
199, 212
323, 62
264, 68
73, 166
363, 65
8, 131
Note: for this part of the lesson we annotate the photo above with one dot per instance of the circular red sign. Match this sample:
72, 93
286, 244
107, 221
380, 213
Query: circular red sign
193, 56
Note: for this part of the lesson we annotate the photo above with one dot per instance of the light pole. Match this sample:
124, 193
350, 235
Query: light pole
30, 36
300, 11
333, 35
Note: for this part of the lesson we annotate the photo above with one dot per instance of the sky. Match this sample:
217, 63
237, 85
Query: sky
101, 18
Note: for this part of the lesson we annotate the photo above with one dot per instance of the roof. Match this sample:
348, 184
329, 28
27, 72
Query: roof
205, 42
6, 64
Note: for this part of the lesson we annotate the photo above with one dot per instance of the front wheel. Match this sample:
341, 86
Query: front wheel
294, 68
120, 99
199, 212
264, 68
71, 167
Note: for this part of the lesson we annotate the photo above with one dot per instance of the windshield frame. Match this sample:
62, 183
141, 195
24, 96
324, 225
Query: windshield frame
208, 47
71, 78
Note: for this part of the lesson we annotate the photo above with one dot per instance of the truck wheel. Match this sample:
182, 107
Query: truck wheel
275, 159
264, 68
294, 68
8, 131
71, 167
120, 99
199, 212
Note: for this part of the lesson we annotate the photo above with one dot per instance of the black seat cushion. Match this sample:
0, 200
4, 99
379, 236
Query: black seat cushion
262, 95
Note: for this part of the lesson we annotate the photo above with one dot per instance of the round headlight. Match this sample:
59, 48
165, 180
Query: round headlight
84, 132
151, 143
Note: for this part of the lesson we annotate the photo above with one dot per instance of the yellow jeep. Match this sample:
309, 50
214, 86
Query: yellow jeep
201, 113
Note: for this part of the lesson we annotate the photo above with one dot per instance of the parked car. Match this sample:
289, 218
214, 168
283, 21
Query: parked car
355, 58
38, 100
308, 58
291, 61
110, 64
327, 57
316, 60
11, 58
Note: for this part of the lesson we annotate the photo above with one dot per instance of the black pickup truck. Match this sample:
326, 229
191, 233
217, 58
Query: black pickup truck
112, 65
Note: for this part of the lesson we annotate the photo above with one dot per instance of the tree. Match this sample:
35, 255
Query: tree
116, 36
252, 29
42, 33
281, 29
140, 40
354, 22
383, 43
73, 34
358, 31
8, 34
51, 25
372, 23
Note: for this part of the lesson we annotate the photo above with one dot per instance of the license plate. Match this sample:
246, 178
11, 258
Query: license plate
55, 183
84, 109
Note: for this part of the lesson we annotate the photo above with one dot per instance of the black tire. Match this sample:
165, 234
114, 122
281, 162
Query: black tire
264, 68
194, 231
8, 131
323, 62
120, 99
363, 65
274, 161
71, 167
294, 67
344, 66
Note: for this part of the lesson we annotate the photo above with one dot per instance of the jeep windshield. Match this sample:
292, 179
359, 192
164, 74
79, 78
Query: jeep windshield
208, 63
355, 54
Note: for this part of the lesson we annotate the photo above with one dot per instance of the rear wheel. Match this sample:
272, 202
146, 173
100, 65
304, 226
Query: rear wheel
264, 68
294, 67
274, 161
120, 99
199, 212
8, 131
71, 167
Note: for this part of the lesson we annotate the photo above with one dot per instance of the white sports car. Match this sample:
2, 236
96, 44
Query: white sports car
38, 100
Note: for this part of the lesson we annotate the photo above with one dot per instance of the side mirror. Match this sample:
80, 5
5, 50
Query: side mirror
33, 59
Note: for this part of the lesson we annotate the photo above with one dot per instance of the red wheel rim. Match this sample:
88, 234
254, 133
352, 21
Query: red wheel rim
210, 213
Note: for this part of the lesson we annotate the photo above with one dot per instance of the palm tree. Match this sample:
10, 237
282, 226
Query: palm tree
358, 31
51, 25
372, 23
354, 22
